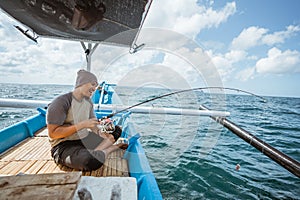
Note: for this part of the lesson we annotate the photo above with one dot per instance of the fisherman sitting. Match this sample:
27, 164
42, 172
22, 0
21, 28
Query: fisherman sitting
75, 139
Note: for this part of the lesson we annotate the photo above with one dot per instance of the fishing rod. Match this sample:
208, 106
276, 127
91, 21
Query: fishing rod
282, 159
182, 91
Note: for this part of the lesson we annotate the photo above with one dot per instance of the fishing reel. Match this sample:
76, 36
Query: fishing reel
106, 125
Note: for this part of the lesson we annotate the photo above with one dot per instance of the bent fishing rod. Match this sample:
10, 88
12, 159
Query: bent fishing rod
182, 91
282, 159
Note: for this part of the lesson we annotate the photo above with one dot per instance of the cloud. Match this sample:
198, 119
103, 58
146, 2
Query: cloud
279, 62
246, 74
280, 36
187, 17
254, 36
49, 61
57, 61
248, 38
171, 50
225, 63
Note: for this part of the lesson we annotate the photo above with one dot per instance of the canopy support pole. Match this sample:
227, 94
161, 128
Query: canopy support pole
282, 159
88, 52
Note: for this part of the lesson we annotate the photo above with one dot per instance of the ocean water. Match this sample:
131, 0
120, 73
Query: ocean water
195, 157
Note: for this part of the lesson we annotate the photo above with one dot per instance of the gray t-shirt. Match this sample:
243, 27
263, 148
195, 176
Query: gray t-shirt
67, 110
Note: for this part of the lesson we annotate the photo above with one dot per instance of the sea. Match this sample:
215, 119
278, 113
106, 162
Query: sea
195, 157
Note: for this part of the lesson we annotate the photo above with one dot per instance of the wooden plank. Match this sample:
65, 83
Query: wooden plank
65, 168
41, 153
47, 168
34, 169
40, 192
6, 169
124, 167
12, 168
105, 168
2, 164
87, 173
113, 154
10, 153
114, 167
31, 179
99, 172
51, 167
17, 167
35, 151
38, 154
46, 153
57, 169
109, 167
42, 186
119, 169
29, 163
28, 151
33, 156
42, 133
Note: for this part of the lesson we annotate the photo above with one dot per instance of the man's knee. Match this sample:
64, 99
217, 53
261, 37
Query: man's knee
93, 161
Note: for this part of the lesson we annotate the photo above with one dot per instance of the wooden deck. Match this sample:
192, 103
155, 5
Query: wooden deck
32, 156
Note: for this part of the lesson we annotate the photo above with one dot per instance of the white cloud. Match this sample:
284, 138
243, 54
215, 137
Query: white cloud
279, 62
187, 17
280, 36
49, 61
248, 38
246, 74
254, 36
235, 56
56, 61
225, 63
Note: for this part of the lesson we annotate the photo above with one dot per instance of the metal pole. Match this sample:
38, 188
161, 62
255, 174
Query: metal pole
89, 56
88, 53
282, 159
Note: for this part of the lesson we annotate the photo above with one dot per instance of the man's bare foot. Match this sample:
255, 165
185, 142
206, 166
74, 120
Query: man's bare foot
122, 146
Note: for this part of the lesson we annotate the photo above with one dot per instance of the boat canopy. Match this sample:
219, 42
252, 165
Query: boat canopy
82, 20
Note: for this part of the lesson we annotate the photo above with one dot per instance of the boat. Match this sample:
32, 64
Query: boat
25, 149
24, 146
26, 167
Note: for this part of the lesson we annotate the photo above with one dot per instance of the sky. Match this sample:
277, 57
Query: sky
250, 45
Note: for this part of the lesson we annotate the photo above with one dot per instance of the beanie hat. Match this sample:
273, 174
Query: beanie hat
84, 77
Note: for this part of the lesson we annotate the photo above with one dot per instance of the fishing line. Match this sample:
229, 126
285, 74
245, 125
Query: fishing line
182, 91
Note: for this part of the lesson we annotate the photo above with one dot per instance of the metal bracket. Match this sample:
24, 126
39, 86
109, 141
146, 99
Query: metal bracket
135, 48
32, 36
88, 53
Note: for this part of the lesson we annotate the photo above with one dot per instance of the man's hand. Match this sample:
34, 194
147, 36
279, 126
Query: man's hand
89, 123
60, 131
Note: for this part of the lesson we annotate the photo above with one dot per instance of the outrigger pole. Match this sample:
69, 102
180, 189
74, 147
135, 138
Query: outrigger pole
282, 159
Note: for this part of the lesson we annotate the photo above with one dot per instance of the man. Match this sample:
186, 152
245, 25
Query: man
72, 128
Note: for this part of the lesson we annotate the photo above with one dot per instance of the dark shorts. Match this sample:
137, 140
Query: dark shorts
79, 154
